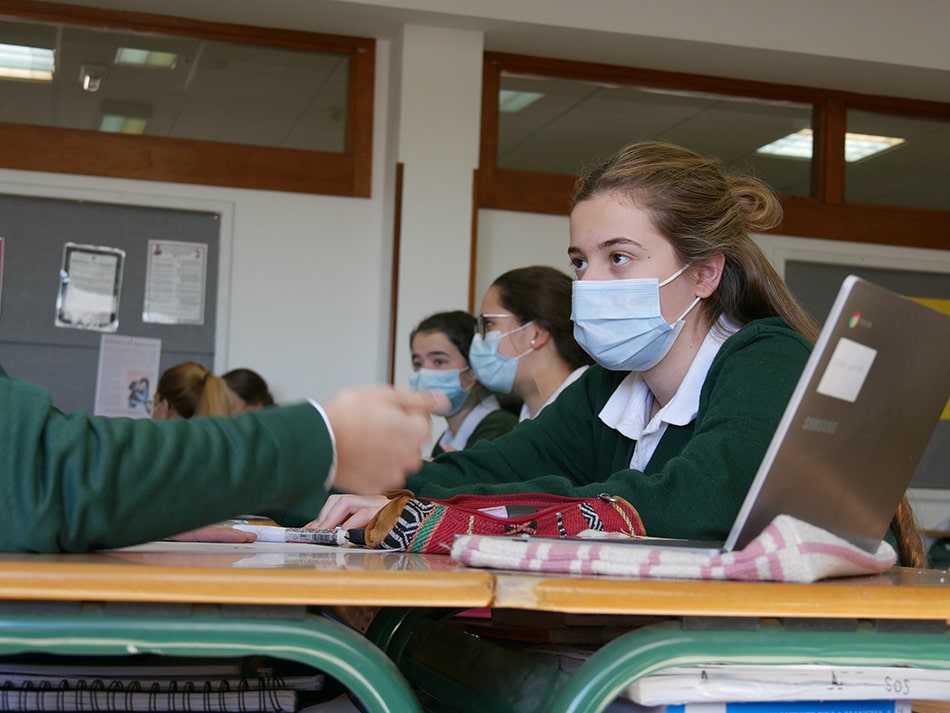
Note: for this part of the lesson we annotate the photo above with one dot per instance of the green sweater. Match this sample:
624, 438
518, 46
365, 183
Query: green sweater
496, 423
696, 480
75, 483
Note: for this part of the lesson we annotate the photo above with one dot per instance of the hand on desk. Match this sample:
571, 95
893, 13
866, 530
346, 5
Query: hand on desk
379, 434
349, 511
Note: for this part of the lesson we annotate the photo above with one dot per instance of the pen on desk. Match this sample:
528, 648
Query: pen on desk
309, 536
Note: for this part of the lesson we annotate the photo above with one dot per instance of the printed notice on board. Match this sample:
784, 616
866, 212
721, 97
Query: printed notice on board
89, 284
175, 282
128, 372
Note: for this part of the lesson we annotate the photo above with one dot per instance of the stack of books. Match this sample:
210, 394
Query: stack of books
153, 683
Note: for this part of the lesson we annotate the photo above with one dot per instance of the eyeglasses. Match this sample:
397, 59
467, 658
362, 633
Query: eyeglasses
485, 323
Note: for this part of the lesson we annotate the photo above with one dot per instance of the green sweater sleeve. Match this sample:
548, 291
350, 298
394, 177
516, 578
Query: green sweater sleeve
698, 476
76, 483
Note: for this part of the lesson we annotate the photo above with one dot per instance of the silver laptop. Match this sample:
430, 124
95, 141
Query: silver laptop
856, 425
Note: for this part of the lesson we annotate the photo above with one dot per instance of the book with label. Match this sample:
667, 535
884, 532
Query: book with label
752, 682
899, 706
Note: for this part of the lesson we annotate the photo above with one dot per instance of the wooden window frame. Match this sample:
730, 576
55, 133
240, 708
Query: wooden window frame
77, 151
823, 214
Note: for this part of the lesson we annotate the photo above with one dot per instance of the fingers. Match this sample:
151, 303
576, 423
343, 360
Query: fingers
423, 402
348, 510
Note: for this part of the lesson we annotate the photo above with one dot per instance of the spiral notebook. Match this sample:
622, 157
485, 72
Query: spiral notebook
856, 425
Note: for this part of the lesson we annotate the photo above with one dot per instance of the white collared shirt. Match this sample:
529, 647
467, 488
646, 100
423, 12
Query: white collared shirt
628, 408
571, 378
469, 423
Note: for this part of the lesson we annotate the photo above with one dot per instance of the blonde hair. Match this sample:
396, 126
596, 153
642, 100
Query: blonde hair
191, 390
705, 212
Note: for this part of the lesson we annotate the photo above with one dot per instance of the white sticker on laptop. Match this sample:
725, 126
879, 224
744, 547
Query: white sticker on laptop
846, 371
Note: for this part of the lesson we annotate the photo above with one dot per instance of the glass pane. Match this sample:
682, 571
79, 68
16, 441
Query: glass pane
571, 123
215, 91
914, 174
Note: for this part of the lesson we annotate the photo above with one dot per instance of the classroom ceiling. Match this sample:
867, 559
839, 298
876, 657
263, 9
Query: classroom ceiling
303, 108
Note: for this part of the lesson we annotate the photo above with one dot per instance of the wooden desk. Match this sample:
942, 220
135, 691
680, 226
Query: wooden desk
901, 593
898, 618
180, 599
208, 600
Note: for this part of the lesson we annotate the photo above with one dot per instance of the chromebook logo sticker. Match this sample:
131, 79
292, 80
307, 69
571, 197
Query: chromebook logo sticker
855, 318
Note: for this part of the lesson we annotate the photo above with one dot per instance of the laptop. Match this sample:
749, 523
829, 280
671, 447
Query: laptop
856, 425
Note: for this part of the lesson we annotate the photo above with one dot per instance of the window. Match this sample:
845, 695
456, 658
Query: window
543, 120
158, 98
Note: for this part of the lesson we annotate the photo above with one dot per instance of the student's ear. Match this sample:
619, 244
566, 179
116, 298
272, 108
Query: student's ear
539, 336
708, 275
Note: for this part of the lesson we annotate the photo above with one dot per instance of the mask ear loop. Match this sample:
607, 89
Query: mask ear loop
688, 309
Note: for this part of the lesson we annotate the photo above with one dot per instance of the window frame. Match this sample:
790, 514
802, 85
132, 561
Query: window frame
824, 214
85, 152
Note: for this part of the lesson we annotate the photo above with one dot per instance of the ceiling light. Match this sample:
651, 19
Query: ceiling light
22, 62
118, 124
132, 57
512, 101
856, 146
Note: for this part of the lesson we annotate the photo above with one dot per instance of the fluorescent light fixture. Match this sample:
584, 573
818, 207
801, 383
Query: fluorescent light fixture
22, 62
132, 57
856, 146
118, 124
511, 101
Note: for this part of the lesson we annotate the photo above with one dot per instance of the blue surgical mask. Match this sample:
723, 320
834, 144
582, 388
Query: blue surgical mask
448, 381
494, 371
619, 322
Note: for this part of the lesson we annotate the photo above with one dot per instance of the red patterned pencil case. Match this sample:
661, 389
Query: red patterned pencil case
412, 524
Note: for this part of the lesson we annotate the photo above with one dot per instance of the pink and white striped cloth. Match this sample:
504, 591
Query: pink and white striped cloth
788, 550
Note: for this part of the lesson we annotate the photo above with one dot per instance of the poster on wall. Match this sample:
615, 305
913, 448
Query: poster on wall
175, 282
127, 375
90, 280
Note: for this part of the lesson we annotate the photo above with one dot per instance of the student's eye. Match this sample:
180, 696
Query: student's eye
617, 259
416, 365
578, 264
440, 363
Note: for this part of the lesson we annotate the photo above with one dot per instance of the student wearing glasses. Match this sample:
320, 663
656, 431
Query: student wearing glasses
525, 340
439, 346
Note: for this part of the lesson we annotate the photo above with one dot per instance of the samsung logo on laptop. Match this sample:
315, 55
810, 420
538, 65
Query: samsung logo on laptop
820, 425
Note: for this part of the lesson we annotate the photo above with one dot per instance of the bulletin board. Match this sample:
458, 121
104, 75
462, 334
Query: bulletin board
65, 360
816, 285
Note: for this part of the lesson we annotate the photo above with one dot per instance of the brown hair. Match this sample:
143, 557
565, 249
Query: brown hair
191, 390
457, 326
249, 386
910, 545
542, 294
704, 212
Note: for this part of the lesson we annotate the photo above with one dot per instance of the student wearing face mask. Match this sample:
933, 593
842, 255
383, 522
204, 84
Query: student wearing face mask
698, 342
525, 341
439, 345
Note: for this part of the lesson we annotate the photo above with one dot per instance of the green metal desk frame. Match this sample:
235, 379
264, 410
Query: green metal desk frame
637, 654
469, 674
291, 633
